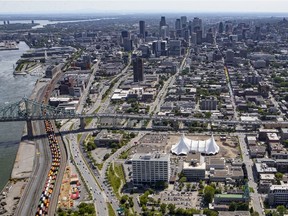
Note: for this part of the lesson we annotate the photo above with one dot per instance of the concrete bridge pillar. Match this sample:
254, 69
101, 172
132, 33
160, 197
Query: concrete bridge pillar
82, 123
29, 129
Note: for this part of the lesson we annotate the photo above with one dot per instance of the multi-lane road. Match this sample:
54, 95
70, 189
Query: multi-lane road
99, 197
252, 178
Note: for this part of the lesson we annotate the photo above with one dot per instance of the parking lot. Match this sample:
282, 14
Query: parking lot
180, 199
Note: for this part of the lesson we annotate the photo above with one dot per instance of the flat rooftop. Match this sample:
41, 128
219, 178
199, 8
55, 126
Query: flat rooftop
151, 157
239, 196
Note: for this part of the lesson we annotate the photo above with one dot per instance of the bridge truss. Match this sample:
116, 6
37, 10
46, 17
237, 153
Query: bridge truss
27, 110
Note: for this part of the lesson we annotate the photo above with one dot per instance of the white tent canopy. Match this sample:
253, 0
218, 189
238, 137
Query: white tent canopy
186, 145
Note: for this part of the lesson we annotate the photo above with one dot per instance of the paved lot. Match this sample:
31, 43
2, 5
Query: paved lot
180, 199
99, 153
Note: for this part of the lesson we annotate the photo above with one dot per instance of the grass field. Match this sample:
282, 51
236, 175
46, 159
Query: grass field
110, 210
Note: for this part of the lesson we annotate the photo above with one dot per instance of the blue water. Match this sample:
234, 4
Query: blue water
11, 89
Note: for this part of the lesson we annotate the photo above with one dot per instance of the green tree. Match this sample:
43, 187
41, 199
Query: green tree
171, 207
208, 114
183, 179
131, 203
278, 79
143, 200
232, 206
285, 142
255, 214
209, 212
132, 135
179, 211
209, 192
163, 208
91, 146
188, 186
124, 199
106, 156
281, 210
278, 177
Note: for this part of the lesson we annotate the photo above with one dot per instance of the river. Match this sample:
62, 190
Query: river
11, 89
42, 23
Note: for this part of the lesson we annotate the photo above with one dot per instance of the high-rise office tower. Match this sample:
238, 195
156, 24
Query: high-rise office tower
198, 37
127, 44
183, 21
164, 32
162, 24
221, 27
125, 34
197, 24
186, 35
178, 24
164, 50
138, 71
174, 47
229, 56
162, 21
210, 36
142, 28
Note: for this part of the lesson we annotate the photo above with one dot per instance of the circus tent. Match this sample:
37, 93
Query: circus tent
186, 145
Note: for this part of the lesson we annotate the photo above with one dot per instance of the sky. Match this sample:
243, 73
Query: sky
140, 6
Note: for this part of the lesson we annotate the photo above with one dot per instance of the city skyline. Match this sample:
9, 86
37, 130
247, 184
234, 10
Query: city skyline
141, 6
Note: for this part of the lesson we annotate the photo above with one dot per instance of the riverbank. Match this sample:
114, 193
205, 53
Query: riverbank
12, 89
21, 173
22, 169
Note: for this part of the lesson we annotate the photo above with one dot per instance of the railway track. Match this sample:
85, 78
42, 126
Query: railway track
27, 204
63, 162
42, 192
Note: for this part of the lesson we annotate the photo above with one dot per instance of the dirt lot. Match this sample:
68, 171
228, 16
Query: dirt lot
13, 191
163, 143
228, 148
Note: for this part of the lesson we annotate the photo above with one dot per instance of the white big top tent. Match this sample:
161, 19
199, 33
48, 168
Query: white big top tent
185, 145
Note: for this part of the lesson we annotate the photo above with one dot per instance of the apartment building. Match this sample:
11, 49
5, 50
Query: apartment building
150, 168
278, 195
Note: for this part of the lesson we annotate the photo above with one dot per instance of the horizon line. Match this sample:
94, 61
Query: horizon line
141, 13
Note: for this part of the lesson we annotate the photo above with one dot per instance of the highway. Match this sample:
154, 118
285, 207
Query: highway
98, 196
139, 117
114, 156
143, 117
